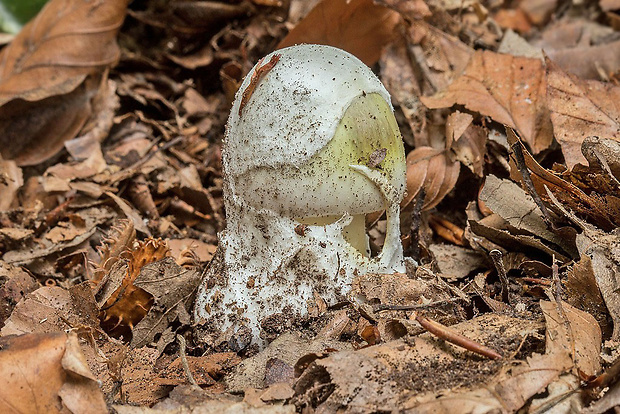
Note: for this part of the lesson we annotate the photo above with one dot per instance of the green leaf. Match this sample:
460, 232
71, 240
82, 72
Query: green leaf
15, 13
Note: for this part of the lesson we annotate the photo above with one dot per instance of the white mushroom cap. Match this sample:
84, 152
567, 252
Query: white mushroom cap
313, 95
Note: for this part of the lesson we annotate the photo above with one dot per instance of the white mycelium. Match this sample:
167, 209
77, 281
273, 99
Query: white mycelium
302, 166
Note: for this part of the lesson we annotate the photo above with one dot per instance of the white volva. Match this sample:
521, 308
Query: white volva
303, 164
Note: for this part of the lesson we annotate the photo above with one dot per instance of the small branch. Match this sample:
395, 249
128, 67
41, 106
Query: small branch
496, 256
557, 287
517, 150
381, 307
447, 334
182, 346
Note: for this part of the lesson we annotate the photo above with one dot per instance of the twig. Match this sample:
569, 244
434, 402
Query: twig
517, 150
133, 169
544, 282
447, 334
381, 307
606, 378
557, 287
496, 256
182, 346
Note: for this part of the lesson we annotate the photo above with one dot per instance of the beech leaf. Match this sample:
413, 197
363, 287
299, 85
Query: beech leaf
358, 26
579, 109
509, 89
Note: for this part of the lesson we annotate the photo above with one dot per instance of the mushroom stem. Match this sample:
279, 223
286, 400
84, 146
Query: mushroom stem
389, 256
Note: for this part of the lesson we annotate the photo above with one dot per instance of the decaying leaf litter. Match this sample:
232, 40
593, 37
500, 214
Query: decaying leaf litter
111, 199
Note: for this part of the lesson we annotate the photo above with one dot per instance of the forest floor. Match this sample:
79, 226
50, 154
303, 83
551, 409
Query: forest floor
112, 117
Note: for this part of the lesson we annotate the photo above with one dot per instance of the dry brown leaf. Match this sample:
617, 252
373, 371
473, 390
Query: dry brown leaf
456, 262
513, 204
607, 5
32, 132
124, 303
440, 56
403, 375
567, 193
470, 149
288, 347
47, 373
42, 74
15, 283
172, 288
52, 309
67, 41
497, 230
574, 333
400, 80
430, 170
466, 141
360, 27
11, 179
579, 109
603, 249
514, 19
410, 10
538, 11
509, 89
584, 294
588, 62
92, 217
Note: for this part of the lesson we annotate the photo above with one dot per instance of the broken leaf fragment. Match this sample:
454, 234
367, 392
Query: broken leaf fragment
47, 373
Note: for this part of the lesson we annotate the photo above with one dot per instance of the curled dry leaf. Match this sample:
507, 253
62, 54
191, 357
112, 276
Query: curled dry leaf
514, 205
430, 170
360, 27
579, 109
467, 142
47, 373
42, 74
509, 89
119, 238
127, 304
571, 196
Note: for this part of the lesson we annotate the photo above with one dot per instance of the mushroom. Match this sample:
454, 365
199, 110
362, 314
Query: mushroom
311, 147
